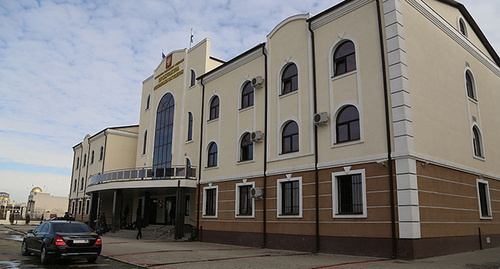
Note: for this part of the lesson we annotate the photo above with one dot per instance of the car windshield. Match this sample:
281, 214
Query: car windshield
70, 227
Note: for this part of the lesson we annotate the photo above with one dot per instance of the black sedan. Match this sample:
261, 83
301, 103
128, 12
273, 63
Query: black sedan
62, 239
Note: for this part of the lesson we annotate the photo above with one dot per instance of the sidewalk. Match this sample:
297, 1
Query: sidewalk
161, 254
153, 254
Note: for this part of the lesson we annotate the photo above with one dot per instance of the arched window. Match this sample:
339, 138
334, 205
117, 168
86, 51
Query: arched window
247, 95
164, 131
462, 27
246, 148
476, 140
212, 155
214, 108
190, 127
193, 78
147, 102
92, 157
84, 159
469, 82
348, 124
145, 142
81, 186
344, 58
77, 162
290, 138
101, 155
289, 79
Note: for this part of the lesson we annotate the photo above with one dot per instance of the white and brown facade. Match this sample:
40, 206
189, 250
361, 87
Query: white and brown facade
370, 128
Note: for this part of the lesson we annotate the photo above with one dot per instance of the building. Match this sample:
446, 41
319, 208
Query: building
43, 205
109, 150
370, 129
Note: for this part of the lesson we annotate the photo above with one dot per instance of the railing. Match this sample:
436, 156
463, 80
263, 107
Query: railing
145, 173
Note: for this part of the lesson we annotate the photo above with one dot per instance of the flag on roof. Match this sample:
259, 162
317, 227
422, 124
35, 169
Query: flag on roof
163, 55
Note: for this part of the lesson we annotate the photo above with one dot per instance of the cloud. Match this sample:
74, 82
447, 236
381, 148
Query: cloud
55, 184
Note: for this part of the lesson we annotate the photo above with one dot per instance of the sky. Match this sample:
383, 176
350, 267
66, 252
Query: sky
71, 68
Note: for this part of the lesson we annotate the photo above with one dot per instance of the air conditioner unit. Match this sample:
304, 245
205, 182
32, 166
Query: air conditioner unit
320, 118
257, 82
256, 136
257, 193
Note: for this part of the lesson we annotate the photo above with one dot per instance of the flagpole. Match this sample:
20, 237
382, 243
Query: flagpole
191, 38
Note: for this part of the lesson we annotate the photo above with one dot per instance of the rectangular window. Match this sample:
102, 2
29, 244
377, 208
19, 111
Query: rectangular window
210, 202
87, 207
244, 201
290, 197
73, 207
483, 193
79, 207
349, 194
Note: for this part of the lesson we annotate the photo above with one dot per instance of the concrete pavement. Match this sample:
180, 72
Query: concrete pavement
182, 254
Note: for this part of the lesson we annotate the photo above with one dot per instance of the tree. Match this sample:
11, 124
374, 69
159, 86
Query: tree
28, 219
11, 218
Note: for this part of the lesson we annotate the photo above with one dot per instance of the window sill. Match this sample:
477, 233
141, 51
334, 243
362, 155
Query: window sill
472, 100
290, 216
189, 141
211, 168
212, 120
245, 162
192, 86
347, 143
245, 216
344, 75
480, 158
486, 218
357, 216
245, 108
209, 217
288, 94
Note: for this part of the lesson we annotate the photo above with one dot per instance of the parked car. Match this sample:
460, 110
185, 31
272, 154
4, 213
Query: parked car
55, 239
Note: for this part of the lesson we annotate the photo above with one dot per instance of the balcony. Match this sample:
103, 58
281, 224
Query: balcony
145, 174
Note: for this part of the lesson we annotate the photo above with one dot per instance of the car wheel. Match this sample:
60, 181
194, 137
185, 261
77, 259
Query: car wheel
44, 257
24, 249
92, 259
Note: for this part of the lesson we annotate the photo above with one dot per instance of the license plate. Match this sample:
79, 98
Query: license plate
80, 241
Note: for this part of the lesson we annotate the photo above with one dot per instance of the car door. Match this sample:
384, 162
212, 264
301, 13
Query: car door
40, 235
30, 237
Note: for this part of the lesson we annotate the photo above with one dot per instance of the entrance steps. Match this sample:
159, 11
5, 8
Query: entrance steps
151, 232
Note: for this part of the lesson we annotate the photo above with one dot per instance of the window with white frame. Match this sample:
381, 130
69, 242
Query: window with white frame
79, 207
470, 85
483, 195
210, 201
193, 78
462, 27
245, 204
73, 207
477, 142
145, 142
289, 197
87, 207
349, 194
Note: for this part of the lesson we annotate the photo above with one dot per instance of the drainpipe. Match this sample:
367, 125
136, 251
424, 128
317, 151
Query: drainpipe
86, 178
264, 204
388, 133
200, 155
316, 157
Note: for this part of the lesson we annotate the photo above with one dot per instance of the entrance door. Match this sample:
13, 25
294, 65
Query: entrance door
170, 203
152, 210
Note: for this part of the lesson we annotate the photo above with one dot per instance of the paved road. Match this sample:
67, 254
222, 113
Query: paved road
10, 256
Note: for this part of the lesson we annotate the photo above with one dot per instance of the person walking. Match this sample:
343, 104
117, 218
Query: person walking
139, 224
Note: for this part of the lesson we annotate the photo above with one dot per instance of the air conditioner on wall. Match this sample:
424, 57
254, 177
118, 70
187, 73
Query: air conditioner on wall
257, 193
320, 118
256, 136
257, 82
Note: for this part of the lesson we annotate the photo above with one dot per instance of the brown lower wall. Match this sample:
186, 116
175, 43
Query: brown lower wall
376, 247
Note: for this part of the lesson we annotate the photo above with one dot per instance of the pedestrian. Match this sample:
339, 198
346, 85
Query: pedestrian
102, 223
139, 224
